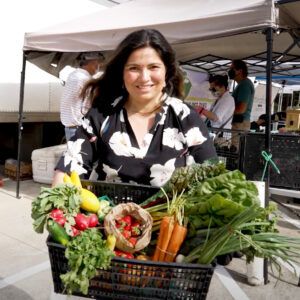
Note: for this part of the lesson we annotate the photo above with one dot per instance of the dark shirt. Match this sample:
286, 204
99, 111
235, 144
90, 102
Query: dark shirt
107, 144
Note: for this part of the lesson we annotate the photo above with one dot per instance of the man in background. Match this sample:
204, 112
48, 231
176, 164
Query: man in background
72, 106
243, 95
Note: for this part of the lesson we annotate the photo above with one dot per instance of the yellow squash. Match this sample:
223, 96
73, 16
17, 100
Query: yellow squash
89, 201
75, 179
111, 242
67, 178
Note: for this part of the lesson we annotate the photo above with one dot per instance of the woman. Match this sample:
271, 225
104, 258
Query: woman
138, 130
220, 115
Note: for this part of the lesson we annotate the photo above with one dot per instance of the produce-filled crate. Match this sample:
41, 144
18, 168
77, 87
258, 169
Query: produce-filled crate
136, 279
130, 278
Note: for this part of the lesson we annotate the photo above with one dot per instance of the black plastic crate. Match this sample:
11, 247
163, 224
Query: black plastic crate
227, 153
120, 192
135, 279
285, 149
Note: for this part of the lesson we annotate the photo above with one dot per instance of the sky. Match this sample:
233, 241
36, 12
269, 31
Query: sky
18, 17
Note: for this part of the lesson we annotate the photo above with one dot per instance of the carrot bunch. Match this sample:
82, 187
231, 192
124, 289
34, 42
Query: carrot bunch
172, 232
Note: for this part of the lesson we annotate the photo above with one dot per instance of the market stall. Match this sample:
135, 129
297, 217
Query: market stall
205, 34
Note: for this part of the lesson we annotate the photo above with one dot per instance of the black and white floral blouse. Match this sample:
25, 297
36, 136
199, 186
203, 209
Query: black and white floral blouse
105, 145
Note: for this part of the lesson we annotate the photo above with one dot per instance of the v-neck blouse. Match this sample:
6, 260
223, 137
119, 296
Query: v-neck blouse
105, 147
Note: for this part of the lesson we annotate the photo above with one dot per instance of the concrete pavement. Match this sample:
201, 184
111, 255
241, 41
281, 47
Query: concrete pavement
25, 269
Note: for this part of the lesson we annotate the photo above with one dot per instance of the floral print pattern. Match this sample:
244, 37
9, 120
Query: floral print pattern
177, 138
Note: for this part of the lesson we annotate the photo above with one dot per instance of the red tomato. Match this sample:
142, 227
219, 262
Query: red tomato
127, 220
132, 240
123, 254
126, 234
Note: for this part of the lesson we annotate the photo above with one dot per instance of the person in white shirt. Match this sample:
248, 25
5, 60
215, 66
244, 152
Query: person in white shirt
220, 114
72, 105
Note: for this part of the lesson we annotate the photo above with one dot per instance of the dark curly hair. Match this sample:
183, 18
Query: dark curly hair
104, 90
219, 80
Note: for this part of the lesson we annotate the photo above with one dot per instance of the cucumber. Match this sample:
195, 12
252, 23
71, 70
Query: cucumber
57, 232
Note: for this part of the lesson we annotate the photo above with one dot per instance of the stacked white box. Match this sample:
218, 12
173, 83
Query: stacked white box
44, 161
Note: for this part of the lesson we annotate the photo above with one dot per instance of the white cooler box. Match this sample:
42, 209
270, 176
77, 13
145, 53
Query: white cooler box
44, 161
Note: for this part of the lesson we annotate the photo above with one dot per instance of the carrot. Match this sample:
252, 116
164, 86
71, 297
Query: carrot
178, 235
165, 232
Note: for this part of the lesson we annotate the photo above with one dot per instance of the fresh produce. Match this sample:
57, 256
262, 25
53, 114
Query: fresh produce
214, 212
63, 197
130, 228
67, 179
57, 232
250, 232
183, 179
89, 201
172, 232
230, 185
86, 253
58, 216
93, 220
104, 209
177, 238
81, 221
75, 231
165, 232
119, 222
111, 242
124, 254
143, 257
76, 179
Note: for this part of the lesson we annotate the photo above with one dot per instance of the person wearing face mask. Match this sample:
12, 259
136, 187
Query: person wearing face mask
243, 95
72, 105
220, 115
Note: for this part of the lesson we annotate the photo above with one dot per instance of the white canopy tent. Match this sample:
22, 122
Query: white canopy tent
201, 32
205, 33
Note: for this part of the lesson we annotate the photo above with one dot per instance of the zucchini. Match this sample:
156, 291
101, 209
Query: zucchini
57, 232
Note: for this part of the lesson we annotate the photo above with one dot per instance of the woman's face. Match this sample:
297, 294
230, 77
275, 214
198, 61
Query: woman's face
216, 90
144, 75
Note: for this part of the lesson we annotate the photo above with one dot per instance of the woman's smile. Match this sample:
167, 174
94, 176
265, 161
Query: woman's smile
144, 77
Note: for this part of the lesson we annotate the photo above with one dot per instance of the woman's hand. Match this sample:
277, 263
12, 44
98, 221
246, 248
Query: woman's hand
58, 178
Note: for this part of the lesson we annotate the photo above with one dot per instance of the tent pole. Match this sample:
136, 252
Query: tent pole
269, 40
20, 124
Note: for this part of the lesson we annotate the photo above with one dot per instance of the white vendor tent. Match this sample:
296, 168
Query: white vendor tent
205, 33
200, 30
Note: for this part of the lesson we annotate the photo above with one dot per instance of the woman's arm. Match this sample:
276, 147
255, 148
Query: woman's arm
58, 178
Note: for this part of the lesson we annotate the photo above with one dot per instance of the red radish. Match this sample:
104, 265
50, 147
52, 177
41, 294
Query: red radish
61, 221
93, 220
75, 231
56, 213
82, 221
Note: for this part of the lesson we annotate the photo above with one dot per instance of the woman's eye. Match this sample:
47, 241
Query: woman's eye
133, 69
154, 67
